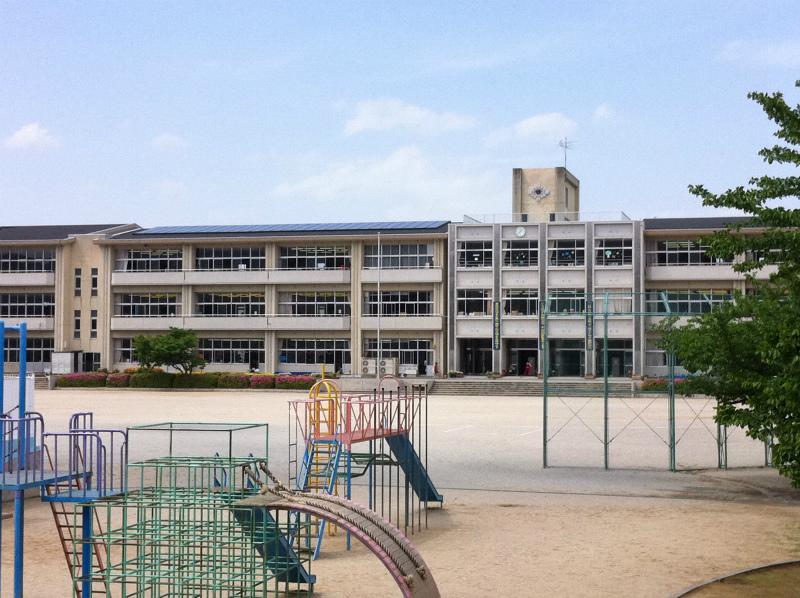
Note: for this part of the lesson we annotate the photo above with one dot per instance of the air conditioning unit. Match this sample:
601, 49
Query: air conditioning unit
368, 367
388, 367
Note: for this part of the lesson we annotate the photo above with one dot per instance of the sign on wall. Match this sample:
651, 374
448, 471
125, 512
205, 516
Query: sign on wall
496, 327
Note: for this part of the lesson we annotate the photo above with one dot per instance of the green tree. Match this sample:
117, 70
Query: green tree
177, 349
747, 353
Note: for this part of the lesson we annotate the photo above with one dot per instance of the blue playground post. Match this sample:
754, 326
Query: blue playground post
86, 550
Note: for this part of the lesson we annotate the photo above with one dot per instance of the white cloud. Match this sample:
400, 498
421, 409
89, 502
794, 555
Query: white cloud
604, 112
167, 142
763, 53
404, 185
32, 135
388, 114
547, 127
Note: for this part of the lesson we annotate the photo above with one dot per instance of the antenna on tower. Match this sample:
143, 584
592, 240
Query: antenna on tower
565, 144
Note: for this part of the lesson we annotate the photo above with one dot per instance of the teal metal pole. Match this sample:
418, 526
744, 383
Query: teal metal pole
605, 380
546, 367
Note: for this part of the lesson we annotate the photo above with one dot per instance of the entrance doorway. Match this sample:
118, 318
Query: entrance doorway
620, 357
567, 357
519, 353
475, 355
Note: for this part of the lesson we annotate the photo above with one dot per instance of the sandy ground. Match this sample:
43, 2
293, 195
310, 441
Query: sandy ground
508, 527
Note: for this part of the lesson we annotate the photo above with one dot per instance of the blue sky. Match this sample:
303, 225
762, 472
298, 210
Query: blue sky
200, 113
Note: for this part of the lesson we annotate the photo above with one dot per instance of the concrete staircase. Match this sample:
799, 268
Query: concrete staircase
532, 387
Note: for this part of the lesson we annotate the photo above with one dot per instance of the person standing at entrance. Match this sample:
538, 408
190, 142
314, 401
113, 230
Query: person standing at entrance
528, 368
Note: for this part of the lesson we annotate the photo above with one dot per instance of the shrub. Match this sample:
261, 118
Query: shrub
151, 379
118, 380
262, 381
196, 380
455, 374
131, 371
234, 380
82, 380
662, 385
294, 382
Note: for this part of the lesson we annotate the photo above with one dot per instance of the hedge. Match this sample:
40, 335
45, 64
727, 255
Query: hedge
196, 380
118, 380
81, 380
259, 381
295, 382
234, 380
151, 380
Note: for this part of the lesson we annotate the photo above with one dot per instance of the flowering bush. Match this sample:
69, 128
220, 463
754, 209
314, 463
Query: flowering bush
82, 380
118, 380
262, 381
234, 380
294, 382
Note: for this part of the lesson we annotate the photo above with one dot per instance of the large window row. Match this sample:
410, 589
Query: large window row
315, 351
27, 305
682, 253
230, 258
147, 305
249, 351
520, 302
567, 252
315, 258
474, 254
27, 260
613, 252
520, 254
567, 301
620, 301
38, 350
407, 351
685, 302
395, 256
229, 304
474, 302
398, 303
150, 260
314, 303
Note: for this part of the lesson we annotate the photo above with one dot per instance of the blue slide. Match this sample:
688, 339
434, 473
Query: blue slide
413, 468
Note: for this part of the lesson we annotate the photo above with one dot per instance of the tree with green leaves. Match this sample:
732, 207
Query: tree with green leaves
746, 353
177, 349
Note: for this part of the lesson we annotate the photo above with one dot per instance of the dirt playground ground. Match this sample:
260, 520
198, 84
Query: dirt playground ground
508, 526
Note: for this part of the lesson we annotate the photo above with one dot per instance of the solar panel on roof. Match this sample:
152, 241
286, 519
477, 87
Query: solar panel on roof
288, 228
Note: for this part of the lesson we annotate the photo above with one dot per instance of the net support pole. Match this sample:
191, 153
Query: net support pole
605, 381
546, 372
673, 466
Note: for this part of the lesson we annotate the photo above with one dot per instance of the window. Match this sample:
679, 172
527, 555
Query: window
520, 254
27, 305
394, 256
617, 353
38, 350
567, 301
249, 351
613, 252
475, 254
123, 350
151, 260
147, 305
314, 303
474, 302
77, 282
315, 258
27, 260
620, 301
654, 356
229, 258
229, 304
567, 252
407, 351
94, 282
398, 303
520, 302
93, 324
682, 253
690, 301
315, 351
91, 362
76, 324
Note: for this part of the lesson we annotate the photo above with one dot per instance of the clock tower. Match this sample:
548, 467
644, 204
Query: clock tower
545, 195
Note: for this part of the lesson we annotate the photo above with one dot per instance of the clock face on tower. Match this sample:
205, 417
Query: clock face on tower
538, 192
520, 232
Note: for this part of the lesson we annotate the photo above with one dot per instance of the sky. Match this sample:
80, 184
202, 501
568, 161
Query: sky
169, 113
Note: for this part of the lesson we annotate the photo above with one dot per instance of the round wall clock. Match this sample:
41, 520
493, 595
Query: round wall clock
538, 192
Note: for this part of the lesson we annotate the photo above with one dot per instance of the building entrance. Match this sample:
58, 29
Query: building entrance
567, 357
620, 357
476, 355
518, 354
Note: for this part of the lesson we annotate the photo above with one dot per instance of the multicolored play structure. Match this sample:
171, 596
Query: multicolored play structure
223, 525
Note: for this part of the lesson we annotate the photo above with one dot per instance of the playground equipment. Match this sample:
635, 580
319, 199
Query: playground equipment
613, 310
392, 422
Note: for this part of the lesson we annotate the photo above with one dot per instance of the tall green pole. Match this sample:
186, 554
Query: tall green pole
546, 367
605, 380
671, 394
